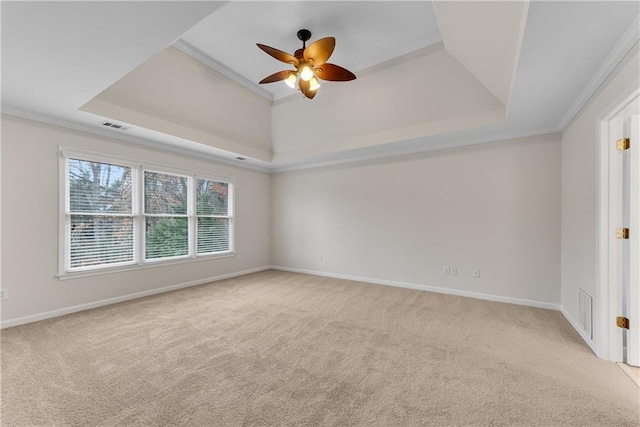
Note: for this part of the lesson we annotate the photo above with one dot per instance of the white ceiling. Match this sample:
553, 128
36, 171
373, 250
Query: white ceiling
489, 44
56, 56
367, 33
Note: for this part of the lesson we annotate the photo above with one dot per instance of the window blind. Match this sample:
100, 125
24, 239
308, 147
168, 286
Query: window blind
118, 215
212, 211
99, 213
165, 208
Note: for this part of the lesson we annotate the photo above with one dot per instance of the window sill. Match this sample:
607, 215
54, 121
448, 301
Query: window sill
150, 264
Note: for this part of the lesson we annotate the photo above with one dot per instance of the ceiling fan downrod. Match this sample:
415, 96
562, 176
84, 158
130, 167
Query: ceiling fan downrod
304, 35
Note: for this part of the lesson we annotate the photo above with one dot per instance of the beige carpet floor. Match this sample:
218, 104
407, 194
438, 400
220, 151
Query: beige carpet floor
277, 348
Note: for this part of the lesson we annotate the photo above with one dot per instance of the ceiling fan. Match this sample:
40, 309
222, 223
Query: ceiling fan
310, 65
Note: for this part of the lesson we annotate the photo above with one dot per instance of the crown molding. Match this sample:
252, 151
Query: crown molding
397, 153
187, 49
624, 45
121, 137
344, 159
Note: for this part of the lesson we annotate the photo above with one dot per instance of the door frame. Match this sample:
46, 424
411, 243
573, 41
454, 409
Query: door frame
607, 337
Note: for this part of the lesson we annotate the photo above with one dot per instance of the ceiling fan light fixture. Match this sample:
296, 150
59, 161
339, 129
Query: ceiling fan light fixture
306, 73
310, 63
313, 84
291, 80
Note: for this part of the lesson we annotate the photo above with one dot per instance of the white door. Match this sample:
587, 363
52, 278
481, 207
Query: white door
624, 210
632, 288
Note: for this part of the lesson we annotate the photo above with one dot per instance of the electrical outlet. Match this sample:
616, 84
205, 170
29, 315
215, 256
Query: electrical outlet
320, 257
4, 294
476, 274
454, 271
445, 271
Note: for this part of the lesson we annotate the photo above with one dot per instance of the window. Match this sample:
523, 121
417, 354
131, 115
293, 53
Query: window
100, 214
212, 211
119, 215
165, 213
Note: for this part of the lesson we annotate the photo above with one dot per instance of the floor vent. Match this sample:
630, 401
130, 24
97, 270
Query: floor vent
585, 312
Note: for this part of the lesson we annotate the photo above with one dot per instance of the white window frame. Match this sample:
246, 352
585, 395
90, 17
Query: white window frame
138, 214
145, 215
229, 216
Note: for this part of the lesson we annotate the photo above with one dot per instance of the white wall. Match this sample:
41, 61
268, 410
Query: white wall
30, 162
493, 207
580, 146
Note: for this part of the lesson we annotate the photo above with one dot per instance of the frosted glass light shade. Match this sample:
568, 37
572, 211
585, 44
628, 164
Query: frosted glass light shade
313, 84
291, 80
306, 73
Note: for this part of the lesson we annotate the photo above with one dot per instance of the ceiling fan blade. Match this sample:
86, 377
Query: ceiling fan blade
334, 73
305, 88
278, 54
276, 77
319, 51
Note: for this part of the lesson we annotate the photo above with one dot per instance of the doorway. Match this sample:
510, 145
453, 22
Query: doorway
618, 337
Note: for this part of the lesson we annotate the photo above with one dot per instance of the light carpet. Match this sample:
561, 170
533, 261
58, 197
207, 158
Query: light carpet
276, 348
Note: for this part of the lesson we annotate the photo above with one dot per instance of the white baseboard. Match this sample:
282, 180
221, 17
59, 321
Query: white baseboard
477, 295
73, 309
576, 326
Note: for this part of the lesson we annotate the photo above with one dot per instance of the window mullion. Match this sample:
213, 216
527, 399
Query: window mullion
140, 221
65, 265
193, 220
231, 211
67, 240
102, 214
166, 215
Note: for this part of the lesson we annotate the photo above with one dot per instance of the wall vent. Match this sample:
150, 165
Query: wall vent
585, 312
114, 125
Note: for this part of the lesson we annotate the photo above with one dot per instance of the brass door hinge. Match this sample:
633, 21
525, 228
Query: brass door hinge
623, 144
622, 233
622, 322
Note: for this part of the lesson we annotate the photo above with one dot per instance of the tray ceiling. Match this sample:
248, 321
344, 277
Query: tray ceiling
367, 33
59, 56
